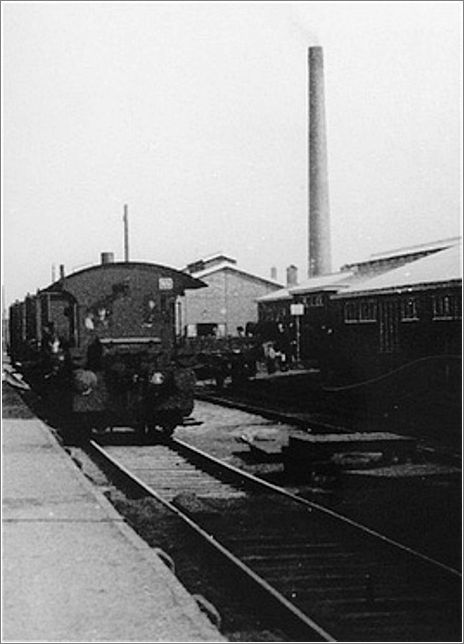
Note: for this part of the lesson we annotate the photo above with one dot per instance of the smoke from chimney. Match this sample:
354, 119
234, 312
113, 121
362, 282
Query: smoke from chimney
319, 259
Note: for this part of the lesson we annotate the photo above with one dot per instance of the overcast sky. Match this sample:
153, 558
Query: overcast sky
195, 115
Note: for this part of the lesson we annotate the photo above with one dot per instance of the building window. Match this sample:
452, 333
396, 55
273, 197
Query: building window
208, 329
351, 312
446, 307
368, 311
359, 312
314, 300
409, 311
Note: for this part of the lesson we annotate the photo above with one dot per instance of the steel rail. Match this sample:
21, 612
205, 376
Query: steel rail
312, 505
296, 614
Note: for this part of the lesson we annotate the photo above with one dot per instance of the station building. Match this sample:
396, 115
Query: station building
227, 305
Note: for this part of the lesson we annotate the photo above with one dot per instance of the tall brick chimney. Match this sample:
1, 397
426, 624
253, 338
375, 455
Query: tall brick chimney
319, 256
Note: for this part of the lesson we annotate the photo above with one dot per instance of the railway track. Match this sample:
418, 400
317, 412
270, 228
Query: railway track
324, 576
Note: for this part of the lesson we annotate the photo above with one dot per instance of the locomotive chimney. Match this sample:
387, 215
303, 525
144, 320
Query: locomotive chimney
274, 273
107, 258
61, 271
319, 260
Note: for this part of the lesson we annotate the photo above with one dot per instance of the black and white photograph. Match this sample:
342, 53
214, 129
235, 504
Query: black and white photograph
231, 321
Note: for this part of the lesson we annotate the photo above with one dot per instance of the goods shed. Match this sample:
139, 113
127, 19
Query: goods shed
411, 314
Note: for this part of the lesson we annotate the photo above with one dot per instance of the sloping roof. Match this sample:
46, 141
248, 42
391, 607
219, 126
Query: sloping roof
428, 247
232, 269
331, 282
217, 258
443, 267
187, 281
276, 296
212, 269
439, 244
208, 262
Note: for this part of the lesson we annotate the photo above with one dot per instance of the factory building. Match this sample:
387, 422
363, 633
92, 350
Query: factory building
229, 303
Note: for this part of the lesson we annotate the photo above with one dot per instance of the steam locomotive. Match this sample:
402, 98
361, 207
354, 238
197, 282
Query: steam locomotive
100, 347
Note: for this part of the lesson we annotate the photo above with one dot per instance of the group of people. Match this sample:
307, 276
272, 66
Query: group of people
280, 352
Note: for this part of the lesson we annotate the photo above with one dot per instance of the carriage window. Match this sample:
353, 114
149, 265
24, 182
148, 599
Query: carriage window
167, 307
150, 312
409, 310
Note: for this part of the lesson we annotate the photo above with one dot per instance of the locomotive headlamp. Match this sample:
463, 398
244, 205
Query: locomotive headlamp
157, 378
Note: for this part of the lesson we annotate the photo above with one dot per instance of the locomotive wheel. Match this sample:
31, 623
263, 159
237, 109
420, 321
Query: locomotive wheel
156, 433
153, 435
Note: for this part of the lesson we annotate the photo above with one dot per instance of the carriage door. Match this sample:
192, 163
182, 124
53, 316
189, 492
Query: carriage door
389, 321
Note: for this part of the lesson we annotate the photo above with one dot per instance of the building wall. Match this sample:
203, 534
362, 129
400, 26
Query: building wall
208, 305
229, 300
363, 337
396, 334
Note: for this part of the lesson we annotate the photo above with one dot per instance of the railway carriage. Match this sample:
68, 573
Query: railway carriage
100, 345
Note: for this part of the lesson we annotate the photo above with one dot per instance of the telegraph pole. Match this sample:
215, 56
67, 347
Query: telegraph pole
126, 234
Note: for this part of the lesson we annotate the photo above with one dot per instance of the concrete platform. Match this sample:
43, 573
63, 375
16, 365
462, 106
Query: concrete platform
73, 571
324, 446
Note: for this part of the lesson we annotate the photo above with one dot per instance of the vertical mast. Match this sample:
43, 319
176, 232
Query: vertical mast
126, 234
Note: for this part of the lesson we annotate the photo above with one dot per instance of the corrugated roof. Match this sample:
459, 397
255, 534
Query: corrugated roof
441, 267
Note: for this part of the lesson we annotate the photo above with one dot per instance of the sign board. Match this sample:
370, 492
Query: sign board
297, 309
191, 330
166, 284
